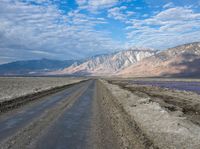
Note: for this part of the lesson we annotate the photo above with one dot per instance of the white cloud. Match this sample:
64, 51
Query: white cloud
117, 13
177, 13
36, 31
168, 28
102, 3
120, 13
81, 2
95, 5
145, 15
29, 31
168, 5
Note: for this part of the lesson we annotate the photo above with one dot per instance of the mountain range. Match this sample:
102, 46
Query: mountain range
180, 61
108, 64
31, 67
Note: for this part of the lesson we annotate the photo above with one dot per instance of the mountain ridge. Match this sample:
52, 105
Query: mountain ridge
107, 64
182, 60
33, 66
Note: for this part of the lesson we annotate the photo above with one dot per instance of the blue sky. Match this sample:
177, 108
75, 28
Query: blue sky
73, 29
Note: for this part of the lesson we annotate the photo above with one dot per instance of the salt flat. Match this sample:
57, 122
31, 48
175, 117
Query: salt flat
13, 87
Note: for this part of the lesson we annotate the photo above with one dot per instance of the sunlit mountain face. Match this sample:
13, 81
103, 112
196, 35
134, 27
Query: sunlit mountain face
76, 29
107, 64
180, 61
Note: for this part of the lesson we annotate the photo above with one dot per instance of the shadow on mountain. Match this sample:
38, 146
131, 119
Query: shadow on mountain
34, 66
81, 73
191, 63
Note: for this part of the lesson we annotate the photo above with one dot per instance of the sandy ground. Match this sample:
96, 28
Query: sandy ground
11, 88
167, 118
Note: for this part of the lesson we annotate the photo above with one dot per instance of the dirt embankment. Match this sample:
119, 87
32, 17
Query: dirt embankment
140, 120
176, 102
116, 128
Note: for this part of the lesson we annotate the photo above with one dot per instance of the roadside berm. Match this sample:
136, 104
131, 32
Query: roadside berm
139, 122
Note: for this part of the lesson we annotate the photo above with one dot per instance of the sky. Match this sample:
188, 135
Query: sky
75, 29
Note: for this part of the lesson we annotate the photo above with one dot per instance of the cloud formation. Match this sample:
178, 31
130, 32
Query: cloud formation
120, 13
72, 29
96, 4
168, 28
36, 31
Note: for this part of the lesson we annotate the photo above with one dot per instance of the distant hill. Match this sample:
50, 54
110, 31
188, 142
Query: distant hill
107, 64
180, 61
34, 66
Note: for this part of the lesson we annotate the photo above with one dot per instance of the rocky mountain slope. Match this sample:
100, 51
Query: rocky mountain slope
182, 61
108, 64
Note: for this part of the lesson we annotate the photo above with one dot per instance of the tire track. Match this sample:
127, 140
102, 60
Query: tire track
25, 136
14, 120
71, 129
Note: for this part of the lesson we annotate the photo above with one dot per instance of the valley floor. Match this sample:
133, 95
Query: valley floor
100, 114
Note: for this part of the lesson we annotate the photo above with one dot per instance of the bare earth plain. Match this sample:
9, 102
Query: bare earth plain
101, 114
13, 87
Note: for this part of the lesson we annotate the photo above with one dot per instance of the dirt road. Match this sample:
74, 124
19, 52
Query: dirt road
95, 114
69, 119
57, 121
